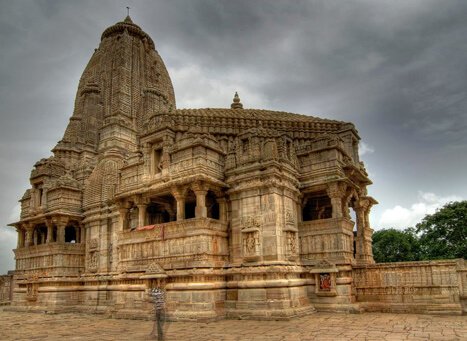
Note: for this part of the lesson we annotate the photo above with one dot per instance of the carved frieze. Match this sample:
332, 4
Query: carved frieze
251, 222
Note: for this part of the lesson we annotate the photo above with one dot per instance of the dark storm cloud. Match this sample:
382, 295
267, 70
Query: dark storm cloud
392, 66
397, 69
404, 60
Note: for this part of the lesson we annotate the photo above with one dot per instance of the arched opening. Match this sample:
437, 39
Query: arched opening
157, 214
212, 206
54, 233
40, 234
353, 217
161, 209
317, 206
190, 204
70, 234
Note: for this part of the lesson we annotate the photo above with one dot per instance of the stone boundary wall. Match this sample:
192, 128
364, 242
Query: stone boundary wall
6, 289
437, 287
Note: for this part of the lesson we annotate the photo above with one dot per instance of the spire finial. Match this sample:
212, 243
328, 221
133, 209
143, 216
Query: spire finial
128, 19
236, 102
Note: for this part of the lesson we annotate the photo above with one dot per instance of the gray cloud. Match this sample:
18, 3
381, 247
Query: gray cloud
395, 68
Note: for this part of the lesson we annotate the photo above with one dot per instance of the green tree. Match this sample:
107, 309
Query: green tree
443, 235
391, 245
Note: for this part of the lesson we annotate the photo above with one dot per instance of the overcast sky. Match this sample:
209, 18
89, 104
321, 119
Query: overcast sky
396, 69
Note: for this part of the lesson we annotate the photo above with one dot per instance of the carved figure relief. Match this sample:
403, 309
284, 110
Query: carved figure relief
93, 244
93, 261
325, 281
289, 217
251, 243
31, 293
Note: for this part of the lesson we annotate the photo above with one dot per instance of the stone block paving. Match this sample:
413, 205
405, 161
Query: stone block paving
319, 326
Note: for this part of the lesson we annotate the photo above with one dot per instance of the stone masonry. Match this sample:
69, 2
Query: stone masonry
247, 213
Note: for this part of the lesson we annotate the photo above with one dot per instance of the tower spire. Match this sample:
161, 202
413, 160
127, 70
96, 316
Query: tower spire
236, 102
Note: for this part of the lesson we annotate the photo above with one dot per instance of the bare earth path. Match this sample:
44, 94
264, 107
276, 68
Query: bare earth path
320, 326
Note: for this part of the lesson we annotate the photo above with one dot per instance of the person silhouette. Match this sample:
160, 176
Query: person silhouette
158, 297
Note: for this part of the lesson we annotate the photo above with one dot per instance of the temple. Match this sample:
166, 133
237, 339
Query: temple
246, 213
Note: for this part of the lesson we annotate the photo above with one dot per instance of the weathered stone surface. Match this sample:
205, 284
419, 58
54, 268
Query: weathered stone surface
244, 212
370, 326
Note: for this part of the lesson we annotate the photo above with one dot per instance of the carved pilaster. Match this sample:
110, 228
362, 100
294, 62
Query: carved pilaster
61, 225
21, 236
50, 230
123, 218
222, 208
142, 214
123, 207
81, 234
201, 210
29, 232
364, 253
179, 195
336, 192
200, 191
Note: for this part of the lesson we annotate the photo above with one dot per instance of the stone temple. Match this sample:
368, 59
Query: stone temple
245, 213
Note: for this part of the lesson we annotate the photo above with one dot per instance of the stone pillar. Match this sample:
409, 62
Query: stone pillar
61, 225
364, 252
180, 207
201, 210
335, 192
29, 233
50, 232
360, 217
123, 218
20, 237
360, 220
222, 209
82, 234
35, 236
299, 211
179, 195
142, 214
76, 228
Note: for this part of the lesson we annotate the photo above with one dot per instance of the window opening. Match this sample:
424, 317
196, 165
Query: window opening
317, 207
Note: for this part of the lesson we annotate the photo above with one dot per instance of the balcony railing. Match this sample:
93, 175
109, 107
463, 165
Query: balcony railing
50, 259
186, 243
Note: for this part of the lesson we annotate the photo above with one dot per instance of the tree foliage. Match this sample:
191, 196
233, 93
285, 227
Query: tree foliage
444, 233
391, 245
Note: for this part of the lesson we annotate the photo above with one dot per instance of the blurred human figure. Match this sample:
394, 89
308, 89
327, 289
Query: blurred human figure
158, 296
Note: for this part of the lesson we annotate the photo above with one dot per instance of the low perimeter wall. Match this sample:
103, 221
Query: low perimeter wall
437, 287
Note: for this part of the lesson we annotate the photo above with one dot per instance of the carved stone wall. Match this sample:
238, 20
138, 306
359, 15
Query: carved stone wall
423, 287
243, 212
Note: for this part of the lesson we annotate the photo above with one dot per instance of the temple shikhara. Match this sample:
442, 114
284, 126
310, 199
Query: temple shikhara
245, 213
